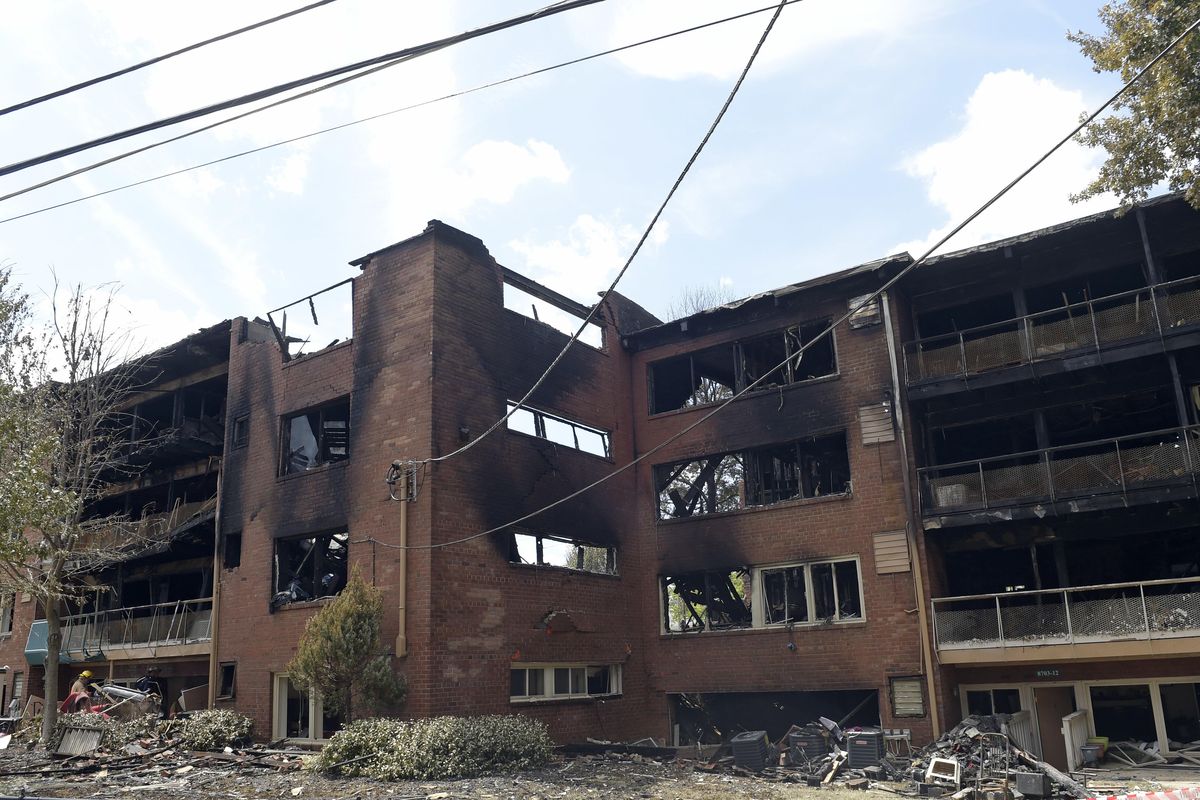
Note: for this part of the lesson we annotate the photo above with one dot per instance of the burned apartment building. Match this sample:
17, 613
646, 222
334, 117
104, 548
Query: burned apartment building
1053, 383
150, 615
783, 584
978, 494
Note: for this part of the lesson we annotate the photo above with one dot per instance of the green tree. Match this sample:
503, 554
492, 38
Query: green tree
1154, 134
340, 652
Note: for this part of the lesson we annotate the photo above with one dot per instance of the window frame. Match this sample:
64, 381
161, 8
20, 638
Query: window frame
747, 574
316, 711
610, 560
548, 693
8, 612
539, 427
240, 431
755, 577
232, 693
285, 434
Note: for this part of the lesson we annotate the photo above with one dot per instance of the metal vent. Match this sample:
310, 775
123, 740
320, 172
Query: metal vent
876, 421
891, 552
907, 698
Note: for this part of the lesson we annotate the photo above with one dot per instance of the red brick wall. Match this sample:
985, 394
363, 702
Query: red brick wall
858, 655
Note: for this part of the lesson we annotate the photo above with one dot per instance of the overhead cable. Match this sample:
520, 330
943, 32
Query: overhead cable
865, 301
636, 249
380, 115
271, 91
151, 61
362, 120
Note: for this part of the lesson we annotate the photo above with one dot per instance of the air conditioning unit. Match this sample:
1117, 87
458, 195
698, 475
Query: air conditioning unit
952, 494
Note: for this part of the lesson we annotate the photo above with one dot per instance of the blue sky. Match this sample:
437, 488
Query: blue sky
867, 127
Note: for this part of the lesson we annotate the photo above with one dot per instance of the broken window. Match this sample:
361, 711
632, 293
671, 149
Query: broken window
228, 681
308, 568
232, 550
760, 359
730, 481
316, 322
707, 601
7, 601
556, 317
554, 551
1181, 712
817, 592
705, 486
562, 681
695, 379
1123, 713
315, 438
241, 430
559, 430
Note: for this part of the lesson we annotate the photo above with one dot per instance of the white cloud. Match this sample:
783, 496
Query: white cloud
1011, 119
288, 175
725, 282
807, 30
492, 172
586, 259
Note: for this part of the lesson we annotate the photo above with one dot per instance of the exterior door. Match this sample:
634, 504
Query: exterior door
1052, 704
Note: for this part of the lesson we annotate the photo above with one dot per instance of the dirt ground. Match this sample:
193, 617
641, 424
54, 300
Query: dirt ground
588, 778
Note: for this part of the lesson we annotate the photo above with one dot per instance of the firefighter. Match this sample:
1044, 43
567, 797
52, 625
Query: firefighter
80, 686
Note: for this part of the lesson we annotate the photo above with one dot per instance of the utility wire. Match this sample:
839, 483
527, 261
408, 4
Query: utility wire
865, 301
261, 94
151, 61
374, 117
637, 249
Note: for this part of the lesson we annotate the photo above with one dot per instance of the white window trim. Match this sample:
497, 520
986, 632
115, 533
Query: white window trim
316, 713
758, 609
549, 696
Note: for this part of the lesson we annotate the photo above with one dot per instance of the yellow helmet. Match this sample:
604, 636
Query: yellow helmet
87, 673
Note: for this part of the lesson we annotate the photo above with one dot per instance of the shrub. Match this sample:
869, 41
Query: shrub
436, 748
214, 729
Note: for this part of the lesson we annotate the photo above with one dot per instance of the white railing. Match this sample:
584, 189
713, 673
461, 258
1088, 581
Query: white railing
180, 622
1075, 733
1158, 609
1019, 729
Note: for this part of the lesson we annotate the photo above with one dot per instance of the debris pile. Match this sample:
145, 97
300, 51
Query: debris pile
974, 759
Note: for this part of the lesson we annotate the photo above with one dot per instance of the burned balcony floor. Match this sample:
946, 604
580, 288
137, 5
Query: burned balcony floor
757, 477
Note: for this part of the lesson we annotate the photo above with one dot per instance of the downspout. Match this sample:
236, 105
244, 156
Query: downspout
214, 615
402, 589
913, 523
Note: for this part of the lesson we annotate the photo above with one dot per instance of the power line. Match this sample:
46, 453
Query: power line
373, 117
262, 94
863, 302
637, 248
151, 61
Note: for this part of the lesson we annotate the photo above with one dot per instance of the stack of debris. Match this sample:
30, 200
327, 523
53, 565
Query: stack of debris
975, 759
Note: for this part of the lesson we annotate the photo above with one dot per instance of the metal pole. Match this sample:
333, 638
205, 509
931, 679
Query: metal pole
1049, 475
1145, 613
999, 622
1120, 465
1067, 609
982, 486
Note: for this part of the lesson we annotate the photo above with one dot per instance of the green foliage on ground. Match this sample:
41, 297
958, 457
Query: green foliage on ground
436, 748
214, 729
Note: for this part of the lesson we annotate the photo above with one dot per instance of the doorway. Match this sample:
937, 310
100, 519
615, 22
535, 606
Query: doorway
1052, 704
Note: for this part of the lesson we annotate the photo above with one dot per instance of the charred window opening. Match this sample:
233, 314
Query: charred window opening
228, 682
986, 311
705, 486
563, 315
695, 379
309, 568
707, 601
555, 551
811, 468
730, 481
818, 592
232, 550
315, 438
559, 430
760, 357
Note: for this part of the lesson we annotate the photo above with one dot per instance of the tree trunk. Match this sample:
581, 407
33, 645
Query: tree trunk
53, 649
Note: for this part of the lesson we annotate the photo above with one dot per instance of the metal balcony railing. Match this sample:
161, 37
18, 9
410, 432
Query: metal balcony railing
1109, 612
1091, 325
1107, 466
180, 622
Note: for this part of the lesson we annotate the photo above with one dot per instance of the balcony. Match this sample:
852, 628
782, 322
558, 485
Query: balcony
1152, 315
1144, 467
1146, 619
180, 628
